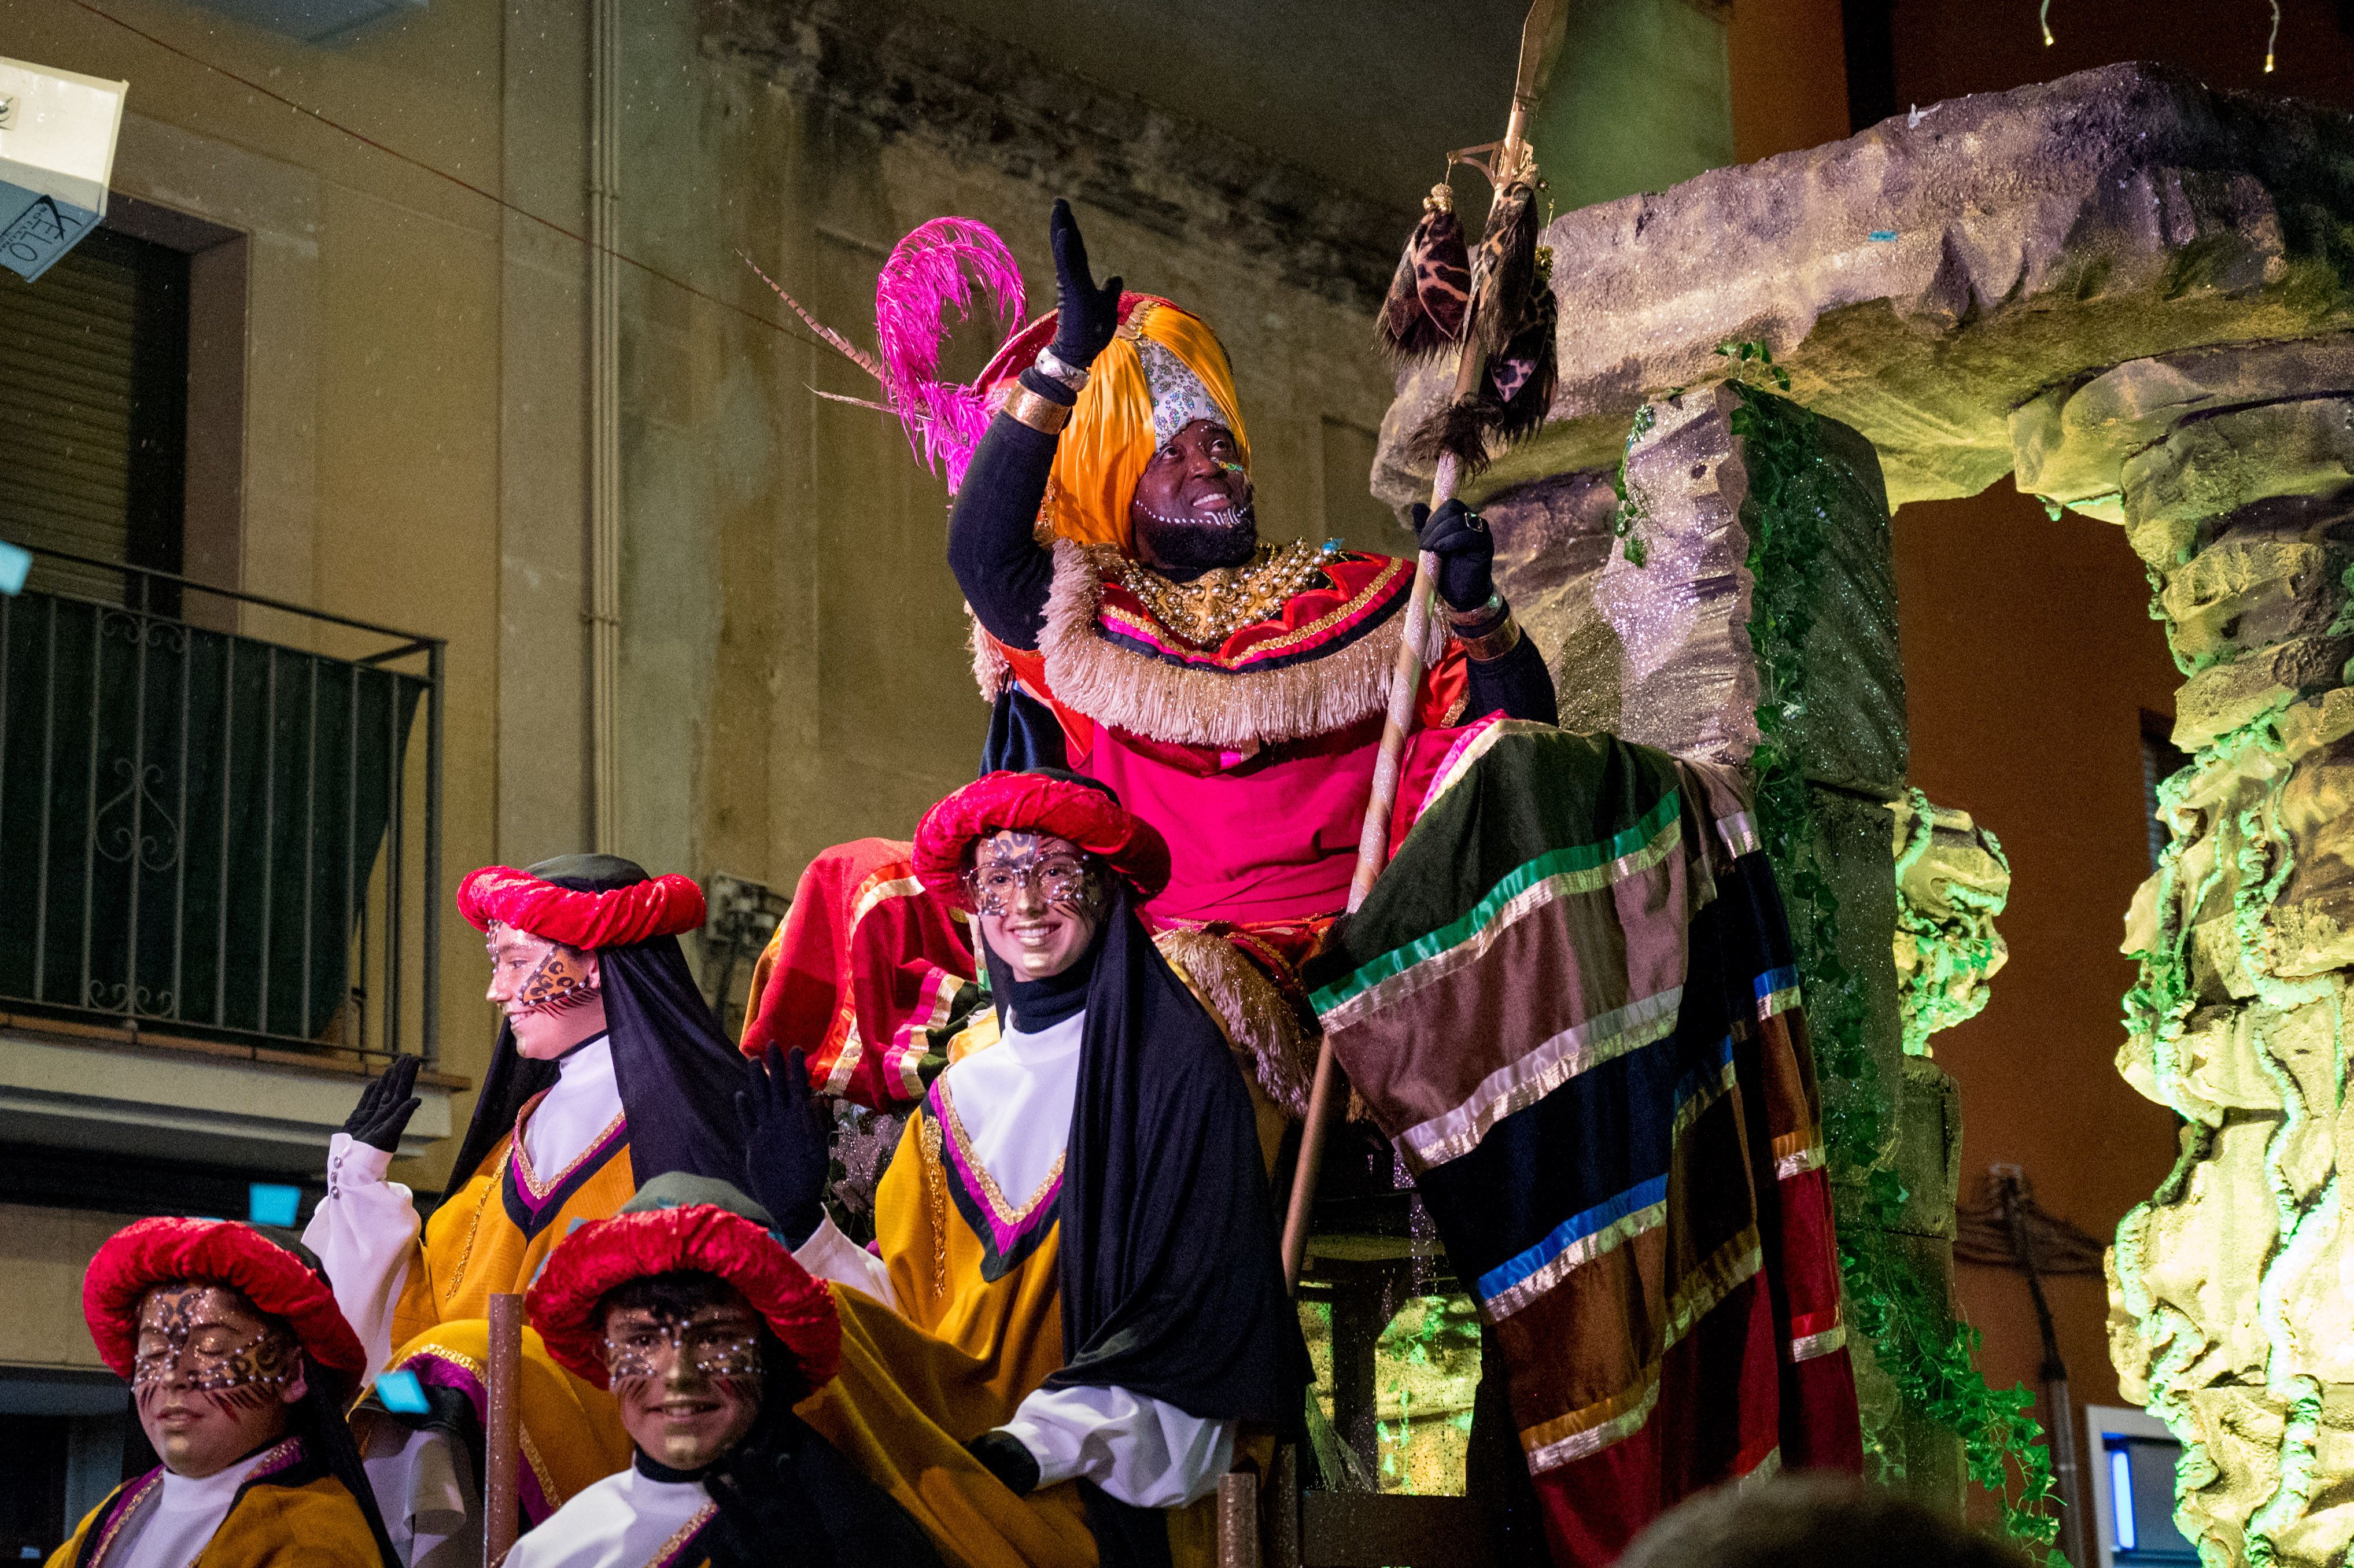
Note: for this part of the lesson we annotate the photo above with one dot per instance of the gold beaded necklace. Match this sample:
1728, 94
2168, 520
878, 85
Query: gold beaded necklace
1221, 602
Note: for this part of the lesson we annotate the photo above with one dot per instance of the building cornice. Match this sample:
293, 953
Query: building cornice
912, 74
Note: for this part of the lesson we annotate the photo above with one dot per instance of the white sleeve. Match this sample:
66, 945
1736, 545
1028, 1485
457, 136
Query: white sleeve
830, 1255
1143, 1451
364, 1231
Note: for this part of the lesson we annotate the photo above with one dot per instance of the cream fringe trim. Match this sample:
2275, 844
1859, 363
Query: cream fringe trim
1261, 1026
990, 673
1196, 707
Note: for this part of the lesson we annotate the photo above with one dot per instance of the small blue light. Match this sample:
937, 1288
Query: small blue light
271, 1204
1883, 235
400, 1393
2121, 1496
15, 562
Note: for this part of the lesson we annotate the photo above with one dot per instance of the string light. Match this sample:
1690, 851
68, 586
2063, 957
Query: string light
2043, 17
2273, 39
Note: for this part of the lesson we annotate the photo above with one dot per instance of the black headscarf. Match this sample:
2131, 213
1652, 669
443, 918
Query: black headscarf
676, 1071
1169, 1263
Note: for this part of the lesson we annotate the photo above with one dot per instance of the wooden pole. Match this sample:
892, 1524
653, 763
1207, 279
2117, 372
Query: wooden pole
1405, 678
502, 1434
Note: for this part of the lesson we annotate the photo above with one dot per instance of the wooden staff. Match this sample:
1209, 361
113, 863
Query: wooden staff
1405, 679
501, 1435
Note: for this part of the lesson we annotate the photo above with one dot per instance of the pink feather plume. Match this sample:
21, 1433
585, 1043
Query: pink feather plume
940, 264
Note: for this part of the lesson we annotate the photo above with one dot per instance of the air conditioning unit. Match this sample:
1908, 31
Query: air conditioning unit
312, 21
57, 152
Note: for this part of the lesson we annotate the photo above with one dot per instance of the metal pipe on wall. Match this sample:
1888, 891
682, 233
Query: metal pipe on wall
604, 610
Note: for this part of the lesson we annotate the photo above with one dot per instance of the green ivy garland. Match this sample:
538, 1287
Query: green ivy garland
1913, 1335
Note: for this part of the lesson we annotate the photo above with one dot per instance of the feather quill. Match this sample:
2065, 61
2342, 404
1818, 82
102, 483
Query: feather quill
949, 262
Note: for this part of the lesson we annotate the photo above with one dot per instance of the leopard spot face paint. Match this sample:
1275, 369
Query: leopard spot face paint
549, 991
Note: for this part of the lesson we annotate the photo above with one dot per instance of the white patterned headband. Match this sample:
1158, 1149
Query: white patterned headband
1178, 396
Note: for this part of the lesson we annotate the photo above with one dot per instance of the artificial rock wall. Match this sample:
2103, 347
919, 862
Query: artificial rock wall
2231, 468
2134, 294
1645, 611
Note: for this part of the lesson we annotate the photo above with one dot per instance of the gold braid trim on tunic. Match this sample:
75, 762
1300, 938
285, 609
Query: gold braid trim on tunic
469, 1249
314, 1525
957, 1359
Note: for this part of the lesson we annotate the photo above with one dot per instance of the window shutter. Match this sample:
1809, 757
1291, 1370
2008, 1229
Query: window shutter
93, 372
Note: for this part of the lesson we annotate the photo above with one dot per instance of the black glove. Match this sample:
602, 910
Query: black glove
787, 1140
1007, 1457
1466, 552
1084, 316
386, 1106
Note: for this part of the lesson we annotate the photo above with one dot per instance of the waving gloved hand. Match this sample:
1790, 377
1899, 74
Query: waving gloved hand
787, 1143
1466, 552
1085, 316
386, 1106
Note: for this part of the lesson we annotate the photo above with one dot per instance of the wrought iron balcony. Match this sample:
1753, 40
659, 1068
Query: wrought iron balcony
218, 820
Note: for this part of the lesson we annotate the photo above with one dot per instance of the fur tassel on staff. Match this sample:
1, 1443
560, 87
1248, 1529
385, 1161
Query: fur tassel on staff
1431, 294
1512, 323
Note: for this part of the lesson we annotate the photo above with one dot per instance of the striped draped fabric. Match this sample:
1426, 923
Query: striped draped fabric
1570, 1003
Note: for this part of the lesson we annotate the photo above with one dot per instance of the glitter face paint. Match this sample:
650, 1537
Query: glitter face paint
1034, 912
211, 1377
1191, 509
687, 1389
557, 982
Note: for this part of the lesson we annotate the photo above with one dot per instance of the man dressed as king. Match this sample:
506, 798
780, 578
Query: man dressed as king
1132, 626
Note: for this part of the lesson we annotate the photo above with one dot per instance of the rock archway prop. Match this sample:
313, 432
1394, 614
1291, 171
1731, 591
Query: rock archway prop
2137, 296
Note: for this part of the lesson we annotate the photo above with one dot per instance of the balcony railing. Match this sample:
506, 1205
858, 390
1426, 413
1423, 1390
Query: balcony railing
218, 819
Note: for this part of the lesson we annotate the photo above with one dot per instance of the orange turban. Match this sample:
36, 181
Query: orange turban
1162, 357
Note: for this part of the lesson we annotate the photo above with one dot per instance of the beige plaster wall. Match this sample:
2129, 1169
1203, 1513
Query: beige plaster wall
411, 440
793, 661
43, 1255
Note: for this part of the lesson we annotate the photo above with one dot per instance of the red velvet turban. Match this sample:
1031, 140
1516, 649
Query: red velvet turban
1088, 814
154, 1252
604, 1254
660, 907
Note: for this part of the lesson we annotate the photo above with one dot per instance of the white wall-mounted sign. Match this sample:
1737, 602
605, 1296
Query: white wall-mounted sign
57, 152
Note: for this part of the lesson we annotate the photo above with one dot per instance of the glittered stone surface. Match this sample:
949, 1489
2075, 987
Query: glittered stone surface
1853, 731
2031, 235
1658, 653
1687, 678
2229, 1297
2208, 467
1551, 538
2072, 439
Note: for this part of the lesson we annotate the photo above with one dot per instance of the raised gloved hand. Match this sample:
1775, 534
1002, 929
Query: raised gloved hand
1466, 552
787, 1144
1085, 316
386, 1106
